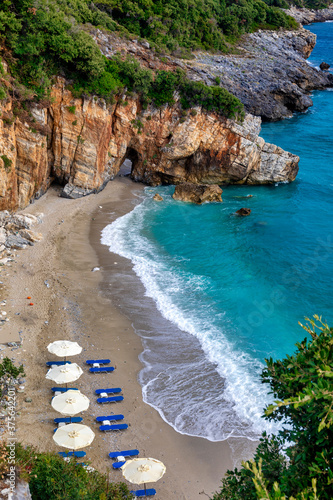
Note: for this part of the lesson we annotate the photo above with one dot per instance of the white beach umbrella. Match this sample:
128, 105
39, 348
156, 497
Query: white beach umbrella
64, 373
74, 436
143, 470
70, 402
63, 348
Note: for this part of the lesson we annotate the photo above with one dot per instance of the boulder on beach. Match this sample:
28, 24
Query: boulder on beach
197, 193
243, 212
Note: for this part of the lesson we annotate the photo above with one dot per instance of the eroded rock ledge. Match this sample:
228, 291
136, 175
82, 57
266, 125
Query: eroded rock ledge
308, 16
82, 144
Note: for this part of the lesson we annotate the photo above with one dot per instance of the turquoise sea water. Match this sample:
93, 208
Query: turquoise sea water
236, 287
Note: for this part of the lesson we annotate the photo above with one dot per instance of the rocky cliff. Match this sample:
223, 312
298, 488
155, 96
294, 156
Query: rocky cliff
82, 143
308, 16
269, 73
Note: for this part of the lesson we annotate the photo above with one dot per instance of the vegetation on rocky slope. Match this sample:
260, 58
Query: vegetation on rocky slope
42, 39
298, 462
50, 476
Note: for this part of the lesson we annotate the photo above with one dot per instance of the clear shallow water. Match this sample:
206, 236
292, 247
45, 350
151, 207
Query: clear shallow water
237, 286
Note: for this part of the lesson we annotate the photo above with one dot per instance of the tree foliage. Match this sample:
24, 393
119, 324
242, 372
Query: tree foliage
50, 477
298, 462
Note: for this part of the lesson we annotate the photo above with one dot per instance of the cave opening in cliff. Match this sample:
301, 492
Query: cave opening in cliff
130, 160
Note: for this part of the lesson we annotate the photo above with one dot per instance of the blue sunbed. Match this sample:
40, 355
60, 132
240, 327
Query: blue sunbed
118, 465
142, 493
68, 420
77, 454
57, 363
126, 453
108, 391
116, 427
110, 417
113, 399
101, 369
63, 389
99, 361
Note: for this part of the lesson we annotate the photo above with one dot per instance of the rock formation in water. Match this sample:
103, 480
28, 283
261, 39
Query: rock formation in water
82, 144
243, 212
197, 193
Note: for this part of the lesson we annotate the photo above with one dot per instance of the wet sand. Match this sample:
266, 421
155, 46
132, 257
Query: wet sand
70, 303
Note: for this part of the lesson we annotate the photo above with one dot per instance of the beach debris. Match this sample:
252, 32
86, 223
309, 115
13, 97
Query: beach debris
243, 212
47, 284
157, 197
95, 269
28, 297
28, 400
31, 303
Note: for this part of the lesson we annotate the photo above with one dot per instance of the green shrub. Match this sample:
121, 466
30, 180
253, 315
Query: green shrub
50, 477
71, 109
210, 98
299, 459
163, 87
7, 367
3, 93
7, 163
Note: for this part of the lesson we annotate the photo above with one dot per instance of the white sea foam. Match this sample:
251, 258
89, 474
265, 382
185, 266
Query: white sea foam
238, 408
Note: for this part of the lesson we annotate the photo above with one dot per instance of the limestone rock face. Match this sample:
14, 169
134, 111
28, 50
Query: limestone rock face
197, 193
308, 16
82, 144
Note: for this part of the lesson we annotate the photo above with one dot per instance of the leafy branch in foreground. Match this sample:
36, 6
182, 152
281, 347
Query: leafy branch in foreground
298, 462
313, 372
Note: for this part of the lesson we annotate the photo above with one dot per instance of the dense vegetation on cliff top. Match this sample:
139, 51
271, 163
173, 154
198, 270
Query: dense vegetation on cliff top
298, 462
42, 38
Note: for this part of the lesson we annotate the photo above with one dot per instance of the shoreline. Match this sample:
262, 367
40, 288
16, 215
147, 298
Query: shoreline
75, 307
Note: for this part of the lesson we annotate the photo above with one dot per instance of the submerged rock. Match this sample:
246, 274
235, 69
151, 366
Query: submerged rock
197, 193
243, 212
157, 197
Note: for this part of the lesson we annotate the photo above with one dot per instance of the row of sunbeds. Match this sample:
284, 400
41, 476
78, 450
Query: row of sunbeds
104, 397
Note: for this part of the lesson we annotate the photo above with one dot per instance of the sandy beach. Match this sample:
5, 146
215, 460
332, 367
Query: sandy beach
69, 303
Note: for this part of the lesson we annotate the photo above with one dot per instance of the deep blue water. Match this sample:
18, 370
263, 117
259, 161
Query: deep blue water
239, 285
